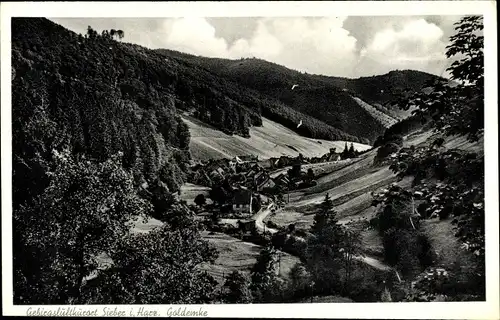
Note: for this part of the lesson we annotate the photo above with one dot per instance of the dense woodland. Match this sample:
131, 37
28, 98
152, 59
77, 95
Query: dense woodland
98, 143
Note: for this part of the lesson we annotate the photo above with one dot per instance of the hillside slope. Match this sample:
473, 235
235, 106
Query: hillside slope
330, 97
269, 140
385, 119
139, 74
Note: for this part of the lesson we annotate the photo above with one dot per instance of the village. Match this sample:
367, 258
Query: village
244, 185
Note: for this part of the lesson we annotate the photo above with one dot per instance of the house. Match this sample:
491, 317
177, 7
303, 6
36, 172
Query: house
207, 180
246, 225
334, 157
267, 183
261, 178
282, 180
245, 159
220, 171
283, 161
232, 165
251, 174
242, 201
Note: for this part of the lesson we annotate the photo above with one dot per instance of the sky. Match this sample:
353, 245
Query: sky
353, 46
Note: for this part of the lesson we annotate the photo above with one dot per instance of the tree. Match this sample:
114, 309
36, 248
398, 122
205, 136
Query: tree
85, 210
404, 245
237, 286
265, 285
200, 200
310, 175
456, 107
278, 239
351, 152
352, 246
295, 172
219, 194
345, 153
157, 268
324, 253
394, 210
300, 281
257, 203
91, 33
325, 215
324, 259
386, 295
120, 33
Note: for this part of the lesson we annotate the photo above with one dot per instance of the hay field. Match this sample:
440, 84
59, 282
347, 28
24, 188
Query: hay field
270, 140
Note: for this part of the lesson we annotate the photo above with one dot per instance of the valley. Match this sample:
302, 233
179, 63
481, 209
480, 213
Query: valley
152, 176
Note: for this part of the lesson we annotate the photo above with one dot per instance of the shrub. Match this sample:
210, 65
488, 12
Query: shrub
385, 151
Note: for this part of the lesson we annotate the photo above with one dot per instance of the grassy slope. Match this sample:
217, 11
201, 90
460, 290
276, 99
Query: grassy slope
385, 119
189, 192
270, 140
235, 254
350, 188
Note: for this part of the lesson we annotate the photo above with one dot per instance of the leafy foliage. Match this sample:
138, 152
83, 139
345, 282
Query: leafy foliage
325, 216
330, 249
83, 212
404, 245
98, 98
315, 95
456, 108
238, 288
68, 91
395, 132
451, 182
458, 191
157, 268
266, 286
200, 200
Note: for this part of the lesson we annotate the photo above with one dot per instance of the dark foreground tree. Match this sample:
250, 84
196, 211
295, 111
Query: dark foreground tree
266, 286
200, 200
86, 210
161, 267
237, 287
325, 215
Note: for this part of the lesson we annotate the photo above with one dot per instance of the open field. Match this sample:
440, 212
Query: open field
270, 140
322, 168
381, 117
235, 254
446, 246
450, 142
141, 226
189, 191
346, 190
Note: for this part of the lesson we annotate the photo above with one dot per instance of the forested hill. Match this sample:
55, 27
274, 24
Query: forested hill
330, 97
135, 71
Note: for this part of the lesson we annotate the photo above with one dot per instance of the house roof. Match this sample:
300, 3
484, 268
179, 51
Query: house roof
263, 182
262, 178
247, 158
242, 196
282, 178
